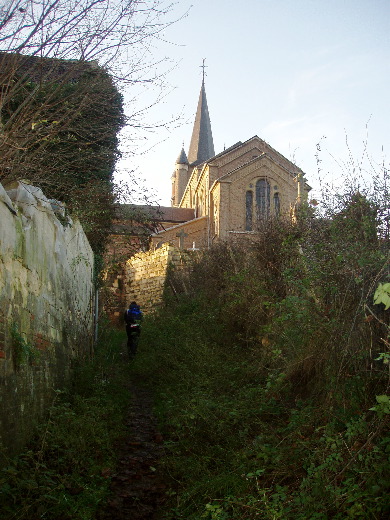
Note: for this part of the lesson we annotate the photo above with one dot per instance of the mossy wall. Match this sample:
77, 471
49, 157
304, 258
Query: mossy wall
46, 307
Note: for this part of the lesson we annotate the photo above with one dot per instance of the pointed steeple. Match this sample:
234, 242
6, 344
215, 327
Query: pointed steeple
201, 146
182, 158
179, 178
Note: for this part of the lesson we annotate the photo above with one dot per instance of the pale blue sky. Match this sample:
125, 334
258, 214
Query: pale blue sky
289, 71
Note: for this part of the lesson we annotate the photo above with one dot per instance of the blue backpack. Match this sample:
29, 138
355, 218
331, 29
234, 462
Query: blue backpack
133, 315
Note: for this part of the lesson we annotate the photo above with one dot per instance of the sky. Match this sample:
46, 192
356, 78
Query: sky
310, 77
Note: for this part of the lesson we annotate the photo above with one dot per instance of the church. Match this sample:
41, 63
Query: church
215, 197
225, 195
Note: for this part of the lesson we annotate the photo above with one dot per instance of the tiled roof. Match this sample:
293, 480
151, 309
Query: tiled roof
182, 159
158, 213
265, 148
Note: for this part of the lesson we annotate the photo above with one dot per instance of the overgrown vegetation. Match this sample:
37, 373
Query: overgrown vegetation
270, 368
60, 121
63, 68
23, 352
65, 472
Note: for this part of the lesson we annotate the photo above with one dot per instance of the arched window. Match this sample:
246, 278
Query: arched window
277, 204
262, 198
201, 204
249, 210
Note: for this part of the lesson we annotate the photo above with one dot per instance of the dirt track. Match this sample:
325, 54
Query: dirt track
137, 488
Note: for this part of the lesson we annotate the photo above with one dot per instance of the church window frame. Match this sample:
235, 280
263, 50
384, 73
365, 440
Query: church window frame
277, 204
201, 209
263, 198
249, 210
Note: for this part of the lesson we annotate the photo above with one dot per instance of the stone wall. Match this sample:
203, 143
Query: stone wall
118, 250
233, 188
145, 275
46, 302
189, 235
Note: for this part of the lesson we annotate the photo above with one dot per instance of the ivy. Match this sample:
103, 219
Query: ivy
61, 135
23, 351
383, 405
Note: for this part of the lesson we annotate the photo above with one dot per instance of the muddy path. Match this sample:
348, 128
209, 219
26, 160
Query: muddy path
137, 486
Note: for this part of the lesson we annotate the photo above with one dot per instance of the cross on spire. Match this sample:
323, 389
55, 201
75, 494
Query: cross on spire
203, 66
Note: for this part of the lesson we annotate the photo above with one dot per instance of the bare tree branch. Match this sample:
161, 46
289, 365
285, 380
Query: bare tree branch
61, 63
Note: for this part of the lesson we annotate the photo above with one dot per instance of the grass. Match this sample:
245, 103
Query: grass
64, 473
271, 379
242, 445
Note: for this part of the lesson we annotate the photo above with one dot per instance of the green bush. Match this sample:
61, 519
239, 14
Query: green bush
270, 372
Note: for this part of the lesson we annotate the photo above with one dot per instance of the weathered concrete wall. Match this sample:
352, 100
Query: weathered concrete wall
46, 320
145, 275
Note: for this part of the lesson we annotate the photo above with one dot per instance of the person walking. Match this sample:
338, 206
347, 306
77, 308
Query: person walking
133, 317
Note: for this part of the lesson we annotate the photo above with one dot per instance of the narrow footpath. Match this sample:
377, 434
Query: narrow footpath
137, 488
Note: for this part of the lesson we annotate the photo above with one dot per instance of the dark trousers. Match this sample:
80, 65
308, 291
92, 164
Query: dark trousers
132, 339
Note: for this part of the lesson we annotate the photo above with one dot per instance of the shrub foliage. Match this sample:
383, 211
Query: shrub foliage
65, 471
59, 122
270, 365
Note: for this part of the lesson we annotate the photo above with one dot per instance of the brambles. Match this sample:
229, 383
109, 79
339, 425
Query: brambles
267, 364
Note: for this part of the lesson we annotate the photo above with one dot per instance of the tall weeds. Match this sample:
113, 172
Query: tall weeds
271, 371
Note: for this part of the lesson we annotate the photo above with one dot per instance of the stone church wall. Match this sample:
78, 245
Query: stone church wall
46, 300
232, 209
145, 275
193, 233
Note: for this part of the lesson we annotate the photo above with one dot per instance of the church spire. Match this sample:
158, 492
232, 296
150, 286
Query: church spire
182, 158
201, 145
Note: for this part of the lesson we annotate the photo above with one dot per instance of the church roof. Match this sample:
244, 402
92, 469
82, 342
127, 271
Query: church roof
182, 159
264, 149
178, 215
158, 213
201, 145
138, 220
